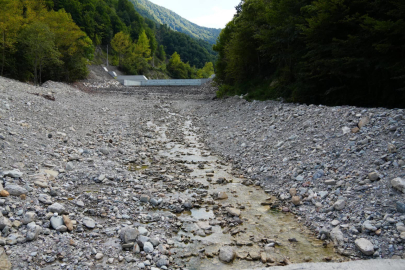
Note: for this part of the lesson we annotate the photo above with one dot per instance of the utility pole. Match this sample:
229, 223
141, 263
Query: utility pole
107, 55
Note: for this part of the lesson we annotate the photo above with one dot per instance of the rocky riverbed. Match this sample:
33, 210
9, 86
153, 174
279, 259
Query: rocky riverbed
108, 177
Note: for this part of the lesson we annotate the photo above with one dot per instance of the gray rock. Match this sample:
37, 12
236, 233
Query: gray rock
99, 256
16, 190
323, 194
318, 174
80, 203
13, 174
365, 246
226, 254
61, 228
142, 240
373, 176
337, 236
154, 202
155, 242
300, 178
339, 205
104, 151
128, 235
136, 248
162, 262
4, 222
143, 231
399, 184
29, 217
33, 231
233, 211
330, 182
56, 221
148, 247
89, 222
45, 198
363, 121
70, 166
368, 226
222, 196
144, 198
57, 208
400, 207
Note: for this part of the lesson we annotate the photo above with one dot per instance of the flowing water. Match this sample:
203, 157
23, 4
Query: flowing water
277, 234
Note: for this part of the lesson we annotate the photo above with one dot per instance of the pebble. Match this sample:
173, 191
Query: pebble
373, 176
68, 223
4, 193
296, 200
57, 208
339, 205
226, 254
222, 196
233, 211
365, 246
399, 184
56, 222
89, 222
99, 256
143, 231
148, 247
13, 173
15, 190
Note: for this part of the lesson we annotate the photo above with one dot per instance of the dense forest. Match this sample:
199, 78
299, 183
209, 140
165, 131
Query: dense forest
175, 22
325, 51
39, 44
55, 39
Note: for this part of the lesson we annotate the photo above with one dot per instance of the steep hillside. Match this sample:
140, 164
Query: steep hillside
174, 21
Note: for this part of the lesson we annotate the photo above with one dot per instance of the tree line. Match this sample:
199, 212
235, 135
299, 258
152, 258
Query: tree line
324, 51
55, 39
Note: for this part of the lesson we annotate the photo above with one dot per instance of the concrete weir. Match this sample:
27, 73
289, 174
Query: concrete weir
140, 80
352, 265
190, 82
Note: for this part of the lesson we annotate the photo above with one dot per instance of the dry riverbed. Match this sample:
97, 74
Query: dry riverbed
155, 178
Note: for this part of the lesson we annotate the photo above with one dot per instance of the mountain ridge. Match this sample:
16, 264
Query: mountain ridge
166, 16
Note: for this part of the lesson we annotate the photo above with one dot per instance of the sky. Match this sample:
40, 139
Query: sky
208, 13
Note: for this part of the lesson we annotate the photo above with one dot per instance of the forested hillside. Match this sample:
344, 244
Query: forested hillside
175, 22
55, 39
324, 51
102, 19
38, 44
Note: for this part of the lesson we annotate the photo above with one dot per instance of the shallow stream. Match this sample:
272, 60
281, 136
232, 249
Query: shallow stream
279, 235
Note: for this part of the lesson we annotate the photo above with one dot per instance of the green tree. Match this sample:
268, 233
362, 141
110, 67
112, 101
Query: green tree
143, 47
10, 23
121, 43
206, 71
161, 54
176, 67
39, 46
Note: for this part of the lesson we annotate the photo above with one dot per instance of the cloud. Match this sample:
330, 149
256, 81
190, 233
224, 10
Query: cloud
217, 18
